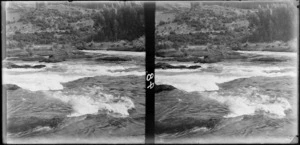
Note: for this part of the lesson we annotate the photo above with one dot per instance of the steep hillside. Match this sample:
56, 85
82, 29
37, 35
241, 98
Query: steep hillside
41, 23
227, 25
202, 24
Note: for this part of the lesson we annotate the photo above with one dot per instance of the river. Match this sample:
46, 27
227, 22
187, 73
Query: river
255, 99
81, 99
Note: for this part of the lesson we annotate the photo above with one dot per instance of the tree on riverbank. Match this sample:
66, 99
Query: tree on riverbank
124, 22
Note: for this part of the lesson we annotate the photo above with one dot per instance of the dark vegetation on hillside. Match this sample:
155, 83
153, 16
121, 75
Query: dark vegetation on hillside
274, 21
273, 24
122, 23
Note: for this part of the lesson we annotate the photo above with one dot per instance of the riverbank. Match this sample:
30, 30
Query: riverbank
217, 53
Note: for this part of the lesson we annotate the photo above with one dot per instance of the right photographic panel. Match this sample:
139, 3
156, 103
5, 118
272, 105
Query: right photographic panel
226, 72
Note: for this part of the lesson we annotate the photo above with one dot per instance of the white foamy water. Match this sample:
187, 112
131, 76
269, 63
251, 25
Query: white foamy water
270, 53
249, 103
200, 80
120, 53
37, 81
193, 82
176, 70
89, 103
42, 128
188, 64
51, 77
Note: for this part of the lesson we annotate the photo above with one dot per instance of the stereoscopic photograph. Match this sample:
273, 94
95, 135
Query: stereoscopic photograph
73, 72
226, 72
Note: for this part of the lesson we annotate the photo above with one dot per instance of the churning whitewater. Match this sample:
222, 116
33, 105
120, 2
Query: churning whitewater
238, 95
73, 95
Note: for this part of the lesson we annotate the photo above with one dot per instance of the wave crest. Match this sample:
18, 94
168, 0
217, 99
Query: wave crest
252, 102
91, 103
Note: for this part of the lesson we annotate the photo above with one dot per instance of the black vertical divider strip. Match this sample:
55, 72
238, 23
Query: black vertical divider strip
149, 12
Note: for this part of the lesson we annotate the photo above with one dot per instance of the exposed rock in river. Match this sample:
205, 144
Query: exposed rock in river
10, 65
160, 88
168, 66
11, 86
269, 59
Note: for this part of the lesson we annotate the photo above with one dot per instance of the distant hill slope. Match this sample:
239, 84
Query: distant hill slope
30, 23
224, 23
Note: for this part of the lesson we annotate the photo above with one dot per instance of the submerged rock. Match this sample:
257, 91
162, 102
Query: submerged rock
168, 66
21, 124
183, 124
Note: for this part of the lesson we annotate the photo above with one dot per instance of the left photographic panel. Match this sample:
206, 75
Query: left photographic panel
73, 72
